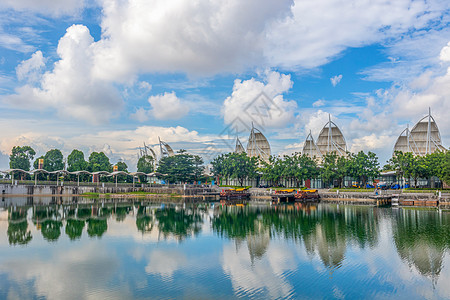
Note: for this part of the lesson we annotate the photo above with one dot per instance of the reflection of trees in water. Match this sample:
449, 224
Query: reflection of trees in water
18, 233
74, 228
178, 222
41, 213
145, 219
325, 230
51, 230
121, 212
96, 227
235, 222
421, 238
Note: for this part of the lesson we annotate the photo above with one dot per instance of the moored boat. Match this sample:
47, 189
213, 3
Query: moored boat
307, 195
235, 194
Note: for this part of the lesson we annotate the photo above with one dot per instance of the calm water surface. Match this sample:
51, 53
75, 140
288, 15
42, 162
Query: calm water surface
159, 251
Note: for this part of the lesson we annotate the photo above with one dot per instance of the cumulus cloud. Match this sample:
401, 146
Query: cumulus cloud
31, 69
260, 102
197, 37
140, 115
200, 37
167, 106
335, 80
70, 88
445, 53
309, 38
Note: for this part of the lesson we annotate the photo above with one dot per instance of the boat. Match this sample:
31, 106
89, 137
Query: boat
231, 194
307, 195
280, 196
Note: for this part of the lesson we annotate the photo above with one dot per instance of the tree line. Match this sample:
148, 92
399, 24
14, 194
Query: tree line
406, 165
331, 168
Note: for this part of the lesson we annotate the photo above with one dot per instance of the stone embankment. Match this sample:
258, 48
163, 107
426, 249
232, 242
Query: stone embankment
46, 190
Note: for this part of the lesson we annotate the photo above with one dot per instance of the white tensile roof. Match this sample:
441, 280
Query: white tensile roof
258, 146
423, 139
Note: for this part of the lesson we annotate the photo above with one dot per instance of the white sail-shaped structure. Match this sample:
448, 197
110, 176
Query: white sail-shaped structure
147, 151
165, 149
331, 139
239, 148
310, 147
423, 139
258, 146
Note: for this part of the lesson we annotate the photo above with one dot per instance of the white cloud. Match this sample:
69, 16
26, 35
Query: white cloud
140, 115
372, 142
308, 37
167, 106
45, 7
260, 102
319, 103
200, 37
197, 37
70, 88
145, 86
13, 42
445, 53
30, 69
335, 80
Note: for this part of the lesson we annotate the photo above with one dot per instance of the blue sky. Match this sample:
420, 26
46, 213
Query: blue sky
110, 75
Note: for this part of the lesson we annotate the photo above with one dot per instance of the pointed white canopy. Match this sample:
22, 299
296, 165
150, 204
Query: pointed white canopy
423, 139
331, 139
310, 148
166, 150
239, 148
258, 146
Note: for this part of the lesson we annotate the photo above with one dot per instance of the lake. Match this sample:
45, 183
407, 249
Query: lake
139, 250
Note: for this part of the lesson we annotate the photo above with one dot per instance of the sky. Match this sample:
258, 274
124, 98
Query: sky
111, 75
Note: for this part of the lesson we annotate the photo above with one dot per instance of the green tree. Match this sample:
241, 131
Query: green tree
182, 167
363, 166
242, 167
98, 161
20, 158
221, 168
402, 164
53, 160
445, 174
273, 170
328, 169
145, 164
76, 162
306, 168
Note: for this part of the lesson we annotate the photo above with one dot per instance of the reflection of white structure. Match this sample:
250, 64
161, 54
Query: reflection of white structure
258, 146
165, 149
239, 148
423, 139
330, 140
